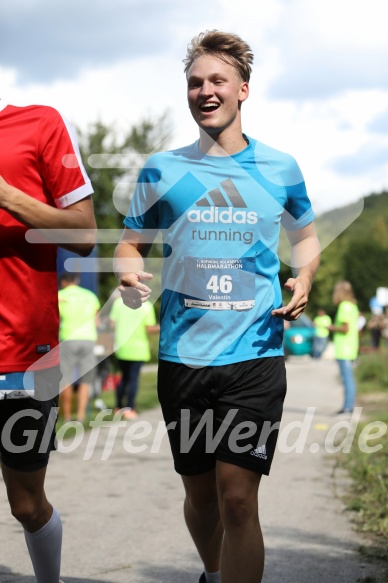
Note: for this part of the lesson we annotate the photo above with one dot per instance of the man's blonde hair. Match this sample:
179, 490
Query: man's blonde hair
224, 45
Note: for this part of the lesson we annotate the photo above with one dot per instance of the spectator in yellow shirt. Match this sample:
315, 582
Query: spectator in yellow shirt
132, 349
78, 308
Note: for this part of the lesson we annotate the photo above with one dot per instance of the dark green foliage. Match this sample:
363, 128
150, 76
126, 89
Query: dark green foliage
365, 265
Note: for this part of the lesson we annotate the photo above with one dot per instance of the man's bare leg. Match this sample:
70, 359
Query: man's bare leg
242, 555
42, 524
203, 518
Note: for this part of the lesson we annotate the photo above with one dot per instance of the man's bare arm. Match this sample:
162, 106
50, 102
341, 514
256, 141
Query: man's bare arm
305, 258
129, 269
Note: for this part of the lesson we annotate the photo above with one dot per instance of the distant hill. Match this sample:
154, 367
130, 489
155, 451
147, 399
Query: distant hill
367, 217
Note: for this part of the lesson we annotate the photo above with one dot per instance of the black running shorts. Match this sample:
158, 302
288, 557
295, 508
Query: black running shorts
229, 413
27, 426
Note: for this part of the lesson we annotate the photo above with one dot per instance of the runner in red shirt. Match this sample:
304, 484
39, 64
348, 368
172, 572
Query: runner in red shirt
43, 185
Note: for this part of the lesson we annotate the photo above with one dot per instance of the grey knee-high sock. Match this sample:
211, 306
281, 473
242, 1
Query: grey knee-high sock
212, 577
44, 547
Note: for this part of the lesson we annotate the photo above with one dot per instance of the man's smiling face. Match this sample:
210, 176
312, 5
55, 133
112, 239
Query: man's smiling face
215, 92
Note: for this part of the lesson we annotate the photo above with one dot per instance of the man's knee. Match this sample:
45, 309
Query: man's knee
26, 496
238, 496
200, 503
237, 508
201, 493
25, 511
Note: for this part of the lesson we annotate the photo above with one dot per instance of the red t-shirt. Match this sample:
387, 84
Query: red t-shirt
38, 155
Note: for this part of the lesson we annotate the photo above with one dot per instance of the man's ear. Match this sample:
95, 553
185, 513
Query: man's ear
244, 92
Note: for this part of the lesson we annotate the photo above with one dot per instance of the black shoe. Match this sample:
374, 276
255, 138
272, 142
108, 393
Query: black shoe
345, 412
202, 578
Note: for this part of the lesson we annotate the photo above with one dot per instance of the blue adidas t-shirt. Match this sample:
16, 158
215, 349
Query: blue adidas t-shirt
220, 219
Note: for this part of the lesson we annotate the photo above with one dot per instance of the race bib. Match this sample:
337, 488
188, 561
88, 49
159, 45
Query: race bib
17, 385
220, 284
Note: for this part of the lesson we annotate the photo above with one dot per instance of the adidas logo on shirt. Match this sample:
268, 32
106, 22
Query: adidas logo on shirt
260, 451
220, 210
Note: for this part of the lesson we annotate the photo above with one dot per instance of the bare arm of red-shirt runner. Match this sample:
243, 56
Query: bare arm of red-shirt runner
38, 215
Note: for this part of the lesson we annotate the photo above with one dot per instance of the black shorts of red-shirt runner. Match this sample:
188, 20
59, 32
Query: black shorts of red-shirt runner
228, 413
27, 425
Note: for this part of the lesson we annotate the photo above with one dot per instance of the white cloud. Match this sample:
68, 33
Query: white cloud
329, 47
370, 157
379, 124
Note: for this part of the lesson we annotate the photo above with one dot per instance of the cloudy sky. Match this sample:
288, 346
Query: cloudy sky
319, 88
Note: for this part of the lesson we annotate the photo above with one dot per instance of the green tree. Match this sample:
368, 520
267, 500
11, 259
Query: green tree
380, 231
365, 266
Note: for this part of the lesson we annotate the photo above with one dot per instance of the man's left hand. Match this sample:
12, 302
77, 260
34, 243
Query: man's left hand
300, 293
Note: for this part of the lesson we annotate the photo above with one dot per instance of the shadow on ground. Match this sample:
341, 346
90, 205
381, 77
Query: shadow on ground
8, 576
307, 562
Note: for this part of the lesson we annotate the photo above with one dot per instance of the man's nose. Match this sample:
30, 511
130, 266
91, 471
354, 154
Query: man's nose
206, 88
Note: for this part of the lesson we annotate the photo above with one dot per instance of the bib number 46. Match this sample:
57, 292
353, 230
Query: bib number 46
221, 284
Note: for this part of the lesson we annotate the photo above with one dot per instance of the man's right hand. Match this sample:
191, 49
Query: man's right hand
133, 291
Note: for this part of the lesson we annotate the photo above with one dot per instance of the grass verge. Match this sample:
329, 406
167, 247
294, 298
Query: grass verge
372, 373
368, 495
147, 397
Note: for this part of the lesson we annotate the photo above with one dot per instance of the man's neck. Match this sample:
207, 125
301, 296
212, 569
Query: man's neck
222, 144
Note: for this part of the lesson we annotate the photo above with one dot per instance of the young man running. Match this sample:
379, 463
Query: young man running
43, 185
219, 204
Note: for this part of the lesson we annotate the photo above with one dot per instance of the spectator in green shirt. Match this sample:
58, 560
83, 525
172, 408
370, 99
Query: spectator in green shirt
78, 308
132, 349
346, 340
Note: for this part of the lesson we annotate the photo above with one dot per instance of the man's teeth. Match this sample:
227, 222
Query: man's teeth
210, 106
